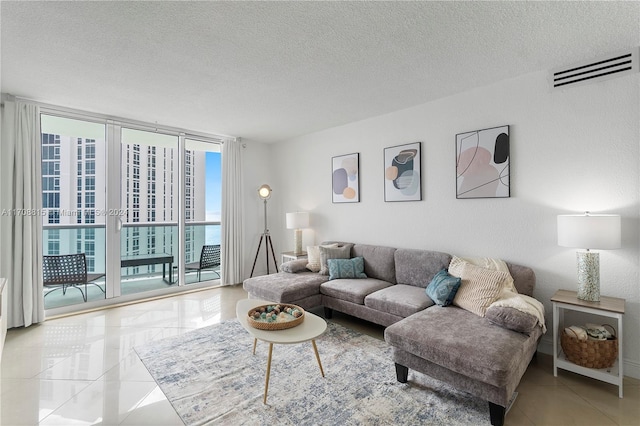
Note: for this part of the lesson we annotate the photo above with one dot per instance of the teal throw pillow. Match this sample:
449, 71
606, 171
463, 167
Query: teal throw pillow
443, 288
346, 268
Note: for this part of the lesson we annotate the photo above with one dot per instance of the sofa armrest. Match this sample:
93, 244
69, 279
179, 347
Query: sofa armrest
293, 266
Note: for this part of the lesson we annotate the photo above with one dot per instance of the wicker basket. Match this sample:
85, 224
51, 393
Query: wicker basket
590, 353
282, 325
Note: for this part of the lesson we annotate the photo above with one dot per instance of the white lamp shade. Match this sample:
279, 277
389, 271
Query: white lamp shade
297, 220
589, 231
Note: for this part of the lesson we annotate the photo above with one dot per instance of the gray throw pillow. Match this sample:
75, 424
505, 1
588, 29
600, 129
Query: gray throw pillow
327, 253
511, 318
293, 266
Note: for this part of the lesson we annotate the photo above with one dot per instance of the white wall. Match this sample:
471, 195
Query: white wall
571, 151
258, 170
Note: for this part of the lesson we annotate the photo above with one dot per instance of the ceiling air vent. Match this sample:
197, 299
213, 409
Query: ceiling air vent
598, 69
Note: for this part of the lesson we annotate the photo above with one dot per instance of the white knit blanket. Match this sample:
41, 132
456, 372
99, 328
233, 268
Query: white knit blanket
523, 303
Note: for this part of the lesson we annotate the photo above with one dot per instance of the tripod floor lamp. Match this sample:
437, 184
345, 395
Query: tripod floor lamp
265, 193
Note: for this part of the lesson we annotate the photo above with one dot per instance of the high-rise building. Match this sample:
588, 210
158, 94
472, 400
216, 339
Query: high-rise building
73, 192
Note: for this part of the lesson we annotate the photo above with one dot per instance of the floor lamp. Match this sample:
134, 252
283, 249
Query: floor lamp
265, 193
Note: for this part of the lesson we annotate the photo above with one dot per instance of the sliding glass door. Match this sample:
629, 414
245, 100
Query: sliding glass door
202, 209
135, 211
74, 205
149, 210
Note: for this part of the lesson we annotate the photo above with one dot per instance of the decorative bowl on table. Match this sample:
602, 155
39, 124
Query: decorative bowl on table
277, 316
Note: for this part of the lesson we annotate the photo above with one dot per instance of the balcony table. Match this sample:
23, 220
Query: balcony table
150, 259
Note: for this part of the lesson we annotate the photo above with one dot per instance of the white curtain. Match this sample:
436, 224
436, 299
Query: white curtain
21, 204
232, 258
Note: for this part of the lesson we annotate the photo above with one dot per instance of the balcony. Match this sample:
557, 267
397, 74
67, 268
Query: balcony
148, 250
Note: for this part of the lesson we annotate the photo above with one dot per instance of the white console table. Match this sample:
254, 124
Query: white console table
611, 307
289, 255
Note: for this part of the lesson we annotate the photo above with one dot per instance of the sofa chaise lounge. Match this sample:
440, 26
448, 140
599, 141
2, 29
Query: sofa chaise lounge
448, 343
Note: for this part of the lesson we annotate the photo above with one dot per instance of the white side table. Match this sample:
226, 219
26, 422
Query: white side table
312, 327
611, 307
288, 256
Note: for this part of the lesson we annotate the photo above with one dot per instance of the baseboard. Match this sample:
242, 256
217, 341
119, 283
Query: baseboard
631, 368
546, 344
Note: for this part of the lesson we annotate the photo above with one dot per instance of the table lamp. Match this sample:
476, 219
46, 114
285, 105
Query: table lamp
588, 232
297, 221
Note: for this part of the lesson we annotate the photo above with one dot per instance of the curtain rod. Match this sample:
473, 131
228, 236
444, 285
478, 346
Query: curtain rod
142, 125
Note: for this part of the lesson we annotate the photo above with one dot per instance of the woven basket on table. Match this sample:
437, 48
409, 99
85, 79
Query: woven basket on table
262, 325
590, 353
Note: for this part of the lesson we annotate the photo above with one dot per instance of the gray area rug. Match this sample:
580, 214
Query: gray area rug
211, 377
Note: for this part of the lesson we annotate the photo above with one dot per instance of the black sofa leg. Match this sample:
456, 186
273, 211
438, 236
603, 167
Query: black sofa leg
402, 373
496, 412
328, 313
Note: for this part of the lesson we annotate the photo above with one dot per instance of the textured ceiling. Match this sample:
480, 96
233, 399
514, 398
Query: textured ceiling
273, 70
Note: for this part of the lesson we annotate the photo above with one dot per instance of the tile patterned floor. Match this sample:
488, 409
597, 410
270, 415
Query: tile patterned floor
82, 370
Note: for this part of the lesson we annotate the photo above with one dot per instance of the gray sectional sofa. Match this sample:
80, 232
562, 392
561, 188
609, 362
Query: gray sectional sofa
448, 343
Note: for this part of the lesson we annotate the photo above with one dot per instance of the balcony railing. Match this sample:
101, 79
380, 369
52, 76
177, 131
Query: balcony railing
154, 245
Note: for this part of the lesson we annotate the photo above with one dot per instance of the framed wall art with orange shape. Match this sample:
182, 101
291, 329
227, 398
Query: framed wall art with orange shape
483, 163
345, 178
402, 172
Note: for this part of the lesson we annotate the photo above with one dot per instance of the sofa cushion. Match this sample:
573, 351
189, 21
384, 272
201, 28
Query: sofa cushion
480, 287
487, 263
352, 290
313, 257
400, 299
378, 261
284, 287
294, 266
511, 318
346, 268
327, 253
462, 342
418, 267
523, 278
443, 288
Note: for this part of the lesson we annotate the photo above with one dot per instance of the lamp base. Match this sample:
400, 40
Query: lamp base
297, 241
588, 276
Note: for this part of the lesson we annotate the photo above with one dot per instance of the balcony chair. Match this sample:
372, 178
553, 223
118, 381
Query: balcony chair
209, 258
67, 270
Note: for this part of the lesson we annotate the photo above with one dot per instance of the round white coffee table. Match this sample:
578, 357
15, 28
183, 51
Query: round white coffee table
312, 327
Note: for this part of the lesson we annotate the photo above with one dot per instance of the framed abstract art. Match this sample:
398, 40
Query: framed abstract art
402, 173
483, 163
345, 178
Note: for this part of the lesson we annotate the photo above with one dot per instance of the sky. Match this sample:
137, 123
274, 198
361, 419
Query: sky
213, 186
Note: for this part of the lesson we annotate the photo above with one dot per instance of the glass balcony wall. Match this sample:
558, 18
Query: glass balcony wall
198, 235
72, 239
141, 271
149, 253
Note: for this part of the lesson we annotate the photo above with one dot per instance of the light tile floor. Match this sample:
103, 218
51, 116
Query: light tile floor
82, 370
